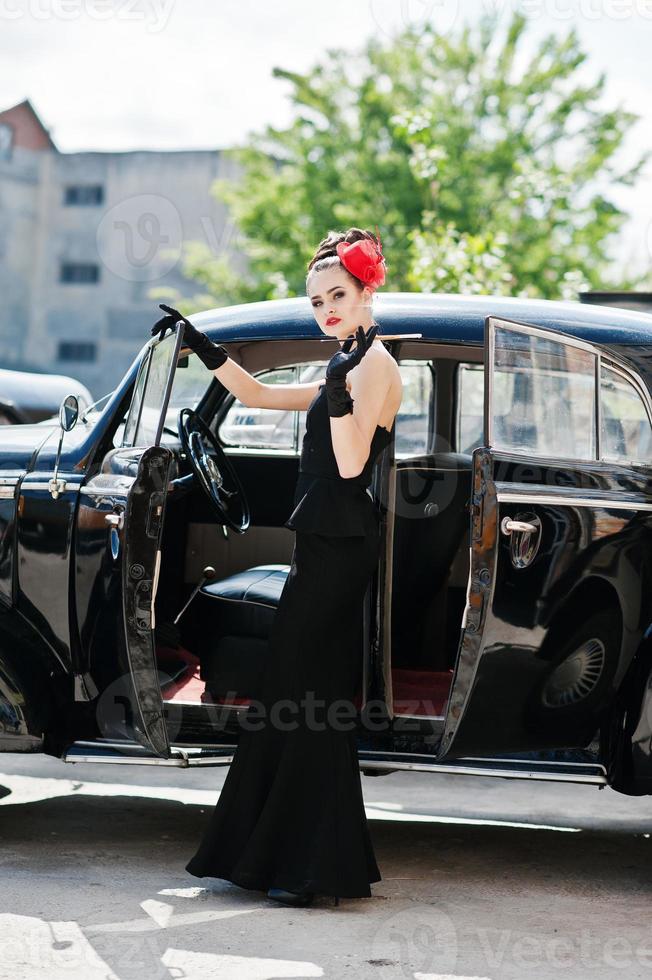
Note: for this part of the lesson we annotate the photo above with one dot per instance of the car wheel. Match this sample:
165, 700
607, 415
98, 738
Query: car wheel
581, 668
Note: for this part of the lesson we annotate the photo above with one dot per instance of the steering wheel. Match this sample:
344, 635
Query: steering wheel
212, 468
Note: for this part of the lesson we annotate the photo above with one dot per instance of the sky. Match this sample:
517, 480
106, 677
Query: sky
180, 74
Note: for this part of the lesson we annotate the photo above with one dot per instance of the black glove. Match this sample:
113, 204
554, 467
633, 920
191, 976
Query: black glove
338, 399
212, 355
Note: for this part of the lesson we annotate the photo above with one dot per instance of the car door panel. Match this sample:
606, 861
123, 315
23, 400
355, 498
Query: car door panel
117, 548
557, 598
143, 524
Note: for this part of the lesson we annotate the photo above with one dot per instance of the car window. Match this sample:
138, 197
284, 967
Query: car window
625, 431
265, 428
469, 421
412, 431
269, 428
191, 379
136, 401
543, 396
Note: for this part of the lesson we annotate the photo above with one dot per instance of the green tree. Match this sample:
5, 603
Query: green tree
477, 172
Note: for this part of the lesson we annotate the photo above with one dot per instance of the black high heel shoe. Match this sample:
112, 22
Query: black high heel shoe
290, 898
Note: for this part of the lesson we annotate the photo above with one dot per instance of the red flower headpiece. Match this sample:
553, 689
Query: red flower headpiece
364, 259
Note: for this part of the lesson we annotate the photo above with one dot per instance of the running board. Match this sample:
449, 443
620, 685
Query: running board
130, 753
560, 772
375, 763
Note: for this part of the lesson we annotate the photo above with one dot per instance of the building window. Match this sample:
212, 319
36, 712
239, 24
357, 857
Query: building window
83, 195
77, 350
79, 272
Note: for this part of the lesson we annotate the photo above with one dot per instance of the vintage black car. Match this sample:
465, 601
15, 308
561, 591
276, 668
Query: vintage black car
507, 630
26, 396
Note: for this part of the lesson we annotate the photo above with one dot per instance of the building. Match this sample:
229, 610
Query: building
85, 236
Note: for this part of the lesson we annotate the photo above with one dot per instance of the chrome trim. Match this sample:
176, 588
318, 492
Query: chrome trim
45, 485
437, 767
512, 493
126, 760
10, 479
400, 714
609, 361
179, 760
546, 332
8, 492
127, 753
187, 756
488, 395
597, 408
540, 762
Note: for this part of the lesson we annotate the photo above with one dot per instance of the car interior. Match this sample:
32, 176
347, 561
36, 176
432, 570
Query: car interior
215, 651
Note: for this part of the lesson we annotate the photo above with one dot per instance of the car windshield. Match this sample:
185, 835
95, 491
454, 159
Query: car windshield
191, 379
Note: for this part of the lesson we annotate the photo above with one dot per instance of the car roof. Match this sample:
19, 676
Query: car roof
445, 317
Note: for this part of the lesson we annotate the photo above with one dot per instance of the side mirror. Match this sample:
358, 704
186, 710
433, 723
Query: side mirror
68, 415
69, 412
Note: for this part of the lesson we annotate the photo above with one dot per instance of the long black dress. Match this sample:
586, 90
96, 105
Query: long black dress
291, 813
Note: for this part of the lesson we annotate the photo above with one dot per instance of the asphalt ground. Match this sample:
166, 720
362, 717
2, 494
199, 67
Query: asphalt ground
482, 878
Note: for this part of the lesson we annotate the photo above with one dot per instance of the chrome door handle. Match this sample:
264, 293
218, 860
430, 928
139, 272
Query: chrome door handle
115, 520
524, 537
508, 524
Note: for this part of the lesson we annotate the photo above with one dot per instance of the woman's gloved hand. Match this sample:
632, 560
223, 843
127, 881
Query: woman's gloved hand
212, 355
338, 399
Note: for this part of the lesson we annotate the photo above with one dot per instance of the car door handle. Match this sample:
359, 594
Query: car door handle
508, 525
115, 520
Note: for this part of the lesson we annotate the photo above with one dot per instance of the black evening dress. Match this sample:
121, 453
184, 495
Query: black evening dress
291, 813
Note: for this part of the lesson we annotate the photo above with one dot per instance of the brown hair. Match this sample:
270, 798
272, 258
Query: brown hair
326, 254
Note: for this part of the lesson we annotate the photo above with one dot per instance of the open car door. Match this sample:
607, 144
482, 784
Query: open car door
120, 522
553, 611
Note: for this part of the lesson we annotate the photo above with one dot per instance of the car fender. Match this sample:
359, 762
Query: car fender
35, 698
626, 735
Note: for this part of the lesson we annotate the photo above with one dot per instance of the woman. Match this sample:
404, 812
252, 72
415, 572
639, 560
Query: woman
290, 817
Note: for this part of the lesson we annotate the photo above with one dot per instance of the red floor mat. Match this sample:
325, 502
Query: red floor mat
183, 666
416, 692
420, 692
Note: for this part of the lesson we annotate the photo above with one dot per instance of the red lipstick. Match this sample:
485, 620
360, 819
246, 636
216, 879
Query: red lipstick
332, 320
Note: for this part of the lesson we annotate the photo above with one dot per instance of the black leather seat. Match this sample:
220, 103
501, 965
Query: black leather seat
236, 615
430, 525
261, 584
